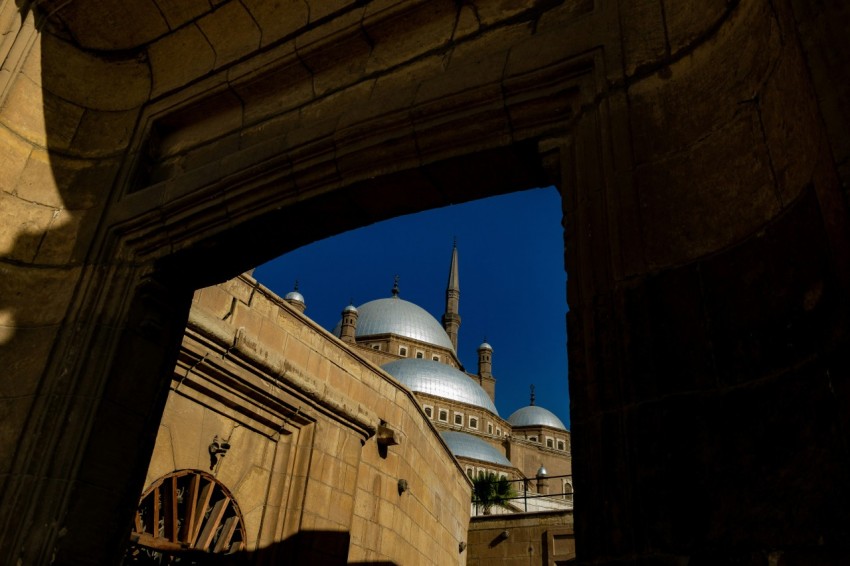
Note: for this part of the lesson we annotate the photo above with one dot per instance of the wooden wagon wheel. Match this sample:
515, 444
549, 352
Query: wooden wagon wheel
185, 517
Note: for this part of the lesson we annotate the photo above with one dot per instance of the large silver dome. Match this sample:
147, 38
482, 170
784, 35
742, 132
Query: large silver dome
465, 445
533, 415
400, 317
441, 380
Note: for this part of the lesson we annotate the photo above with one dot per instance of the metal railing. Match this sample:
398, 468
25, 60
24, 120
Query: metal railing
524, 493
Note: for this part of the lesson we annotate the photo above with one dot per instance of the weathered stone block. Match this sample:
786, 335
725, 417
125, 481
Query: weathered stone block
104, 134
178, 12
14, 153
277, 91
23, 226
688, 23
668, 344
15, 411
733, 64
703, 204
89, 81
179, 58
114, 24
66, 240
337, 54
39, 116
796, 319
789, 116
408, 33
231, 31
278, 18
37, 183
644, 35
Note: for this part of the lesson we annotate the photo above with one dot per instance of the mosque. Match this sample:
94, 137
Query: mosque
408, 343
283, 442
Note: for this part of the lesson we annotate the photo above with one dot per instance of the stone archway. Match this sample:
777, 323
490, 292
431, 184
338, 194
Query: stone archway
705, 233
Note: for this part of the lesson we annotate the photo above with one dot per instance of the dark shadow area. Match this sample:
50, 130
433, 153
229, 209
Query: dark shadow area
326, 548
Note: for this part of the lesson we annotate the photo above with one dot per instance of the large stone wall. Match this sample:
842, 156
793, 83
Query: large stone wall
151, 148
300, 412
545, 538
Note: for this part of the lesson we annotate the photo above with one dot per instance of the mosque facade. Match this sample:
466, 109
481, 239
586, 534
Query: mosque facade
411, 345
282, 442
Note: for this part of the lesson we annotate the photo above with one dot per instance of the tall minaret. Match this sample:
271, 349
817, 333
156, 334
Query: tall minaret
451, 318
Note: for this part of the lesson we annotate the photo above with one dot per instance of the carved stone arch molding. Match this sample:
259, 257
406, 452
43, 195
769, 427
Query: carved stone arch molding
689, 150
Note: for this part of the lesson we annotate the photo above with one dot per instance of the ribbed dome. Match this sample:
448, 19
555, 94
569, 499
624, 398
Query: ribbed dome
440, 380
294, 296
465, 445
399, 317
533, 415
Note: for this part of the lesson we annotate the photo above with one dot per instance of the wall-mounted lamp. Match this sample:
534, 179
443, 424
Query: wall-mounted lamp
217, 449
402, 486
461, 546
386, 437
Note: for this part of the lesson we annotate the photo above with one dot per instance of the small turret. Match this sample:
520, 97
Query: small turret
296, 299
485, 360
348, 328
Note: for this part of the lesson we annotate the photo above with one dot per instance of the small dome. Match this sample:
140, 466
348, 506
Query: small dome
533, 415
440, 380
485, 346
465, 445
399, 317
295, 297
541, 472
350, 308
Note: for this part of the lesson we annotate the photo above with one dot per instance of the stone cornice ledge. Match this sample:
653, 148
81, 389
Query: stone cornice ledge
282, 374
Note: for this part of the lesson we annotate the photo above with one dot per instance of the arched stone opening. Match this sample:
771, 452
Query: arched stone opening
705, 233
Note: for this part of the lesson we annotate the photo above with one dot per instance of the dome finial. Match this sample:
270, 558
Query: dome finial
532, 394
295, 287
395, 286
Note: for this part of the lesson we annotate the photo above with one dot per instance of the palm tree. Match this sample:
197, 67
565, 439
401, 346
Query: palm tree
489, 490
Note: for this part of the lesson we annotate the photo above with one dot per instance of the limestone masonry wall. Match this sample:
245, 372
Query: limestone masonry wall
300, 412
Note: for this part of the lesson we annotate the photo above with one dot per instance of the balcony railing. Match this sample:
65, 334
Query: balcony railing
526, 489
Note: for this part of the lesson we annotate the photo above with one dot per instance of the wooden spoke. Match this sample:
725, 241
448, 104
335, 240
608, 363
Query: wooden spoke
172, 518
211, 524
155, 519
190, 501
223, 542
200, 510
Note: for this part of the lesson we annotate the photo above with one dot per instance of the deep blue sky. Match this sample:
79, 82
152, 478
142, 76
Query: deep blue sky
512, 284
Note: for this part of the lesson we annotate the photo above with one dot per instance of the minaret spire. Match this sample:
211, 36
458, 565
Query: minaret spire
451, 318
